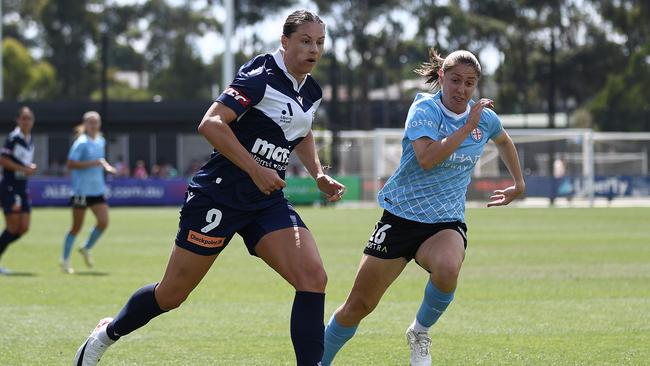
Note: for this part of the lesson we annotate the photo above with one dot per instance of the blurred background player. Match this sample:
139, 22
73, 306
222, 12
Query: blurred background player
254, 125
16, 160
87, 162
424, 201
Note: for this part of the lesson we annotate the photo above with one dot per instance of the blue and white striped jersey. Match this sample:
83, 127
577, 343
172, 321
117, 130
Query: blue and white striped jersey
20, 149
274, 113
436, 195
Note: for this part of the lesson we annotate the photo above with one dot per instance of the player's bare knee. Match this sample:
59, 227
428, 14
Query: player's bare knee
358, 308
313, 280
102, 225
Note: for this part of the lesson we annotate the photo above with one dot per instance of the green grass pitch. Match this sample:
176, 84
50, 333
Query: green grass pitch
538, 287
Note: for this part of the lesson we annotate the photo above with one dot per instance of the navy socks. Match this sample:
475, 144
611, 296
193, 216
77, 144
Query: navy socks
138, 311
307, 328
5, 239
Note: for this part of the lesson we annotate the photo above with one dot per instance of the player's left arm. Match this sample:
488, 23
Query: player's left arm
510, 158
307, 154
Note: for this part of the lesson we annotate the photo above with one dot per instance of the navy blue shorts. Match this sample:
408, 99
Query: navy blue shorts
205, 227
14, 200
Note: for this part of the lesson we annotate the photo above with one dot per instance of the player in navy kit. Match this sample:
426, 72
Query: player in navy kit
424, 201
254, 125
16, 160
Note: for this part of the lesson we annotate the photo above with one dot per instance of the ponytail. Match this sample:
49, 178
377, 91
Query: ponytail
430, 69
78, 130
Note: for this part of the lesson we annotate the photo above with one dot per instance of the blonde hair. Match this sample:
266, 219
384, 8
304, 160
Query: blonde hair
80, 129
430, 69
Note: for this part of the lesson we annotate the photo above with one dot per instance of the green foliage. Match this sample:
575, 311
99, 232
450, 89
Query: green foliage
538, 287
23, 77
622, 105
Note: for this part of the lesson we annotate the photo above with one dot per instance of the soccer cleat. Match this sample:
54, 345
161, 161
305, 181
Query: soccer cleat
4, 271
65, 266
419, 343
85, 253
93, 348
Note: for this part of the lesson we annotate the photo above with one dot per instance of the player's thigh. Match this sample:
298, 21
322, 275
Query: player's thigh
12, 222
293, 254
78, 216
373, 278
184, 271
443, 252
100, 210
25, 221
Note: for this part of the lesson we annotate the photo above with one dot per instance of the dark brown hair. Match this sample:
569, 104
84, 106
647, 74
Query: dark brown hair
298, 18
430, 69
24, 109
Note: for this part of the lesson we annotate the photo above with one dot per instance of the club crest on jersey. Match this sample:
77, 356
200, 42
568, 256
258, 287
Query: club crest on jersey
238, 96
476, 134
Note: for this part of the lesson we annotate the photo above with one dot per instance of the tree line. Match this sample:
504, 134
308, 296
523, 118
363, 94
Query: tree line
589, 58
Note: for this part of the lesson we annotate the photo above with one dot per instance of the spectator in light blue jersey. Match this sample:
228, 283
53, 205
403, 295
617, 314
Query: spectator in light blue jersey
87, 162
424, 201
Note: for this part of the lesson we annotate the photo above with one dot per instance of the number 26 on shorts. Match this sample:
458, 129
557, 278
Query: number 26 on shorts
379, 235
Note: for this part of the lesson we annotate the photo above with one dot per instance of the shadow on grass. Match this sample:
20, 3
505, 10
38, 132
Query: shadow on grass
20, 274
91, 273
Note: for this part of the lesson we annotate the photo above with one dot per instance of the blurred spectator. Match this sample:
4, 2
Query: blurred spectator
155, 171
168, 171
195, 165
121, 167
140, 172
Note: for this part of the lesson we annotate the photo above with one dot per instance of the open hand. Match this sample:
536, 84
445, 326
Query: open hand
502, 197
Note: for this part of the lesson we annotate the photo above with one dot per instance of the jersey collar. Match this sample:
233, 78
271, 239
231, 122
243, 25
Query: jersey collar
448, 112
20, 134
279, 60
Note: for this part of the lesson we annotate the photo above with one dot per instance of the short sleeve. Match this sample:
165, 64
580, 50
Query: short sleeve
8, 147
248, 87
422, 121
76, 151
495, 127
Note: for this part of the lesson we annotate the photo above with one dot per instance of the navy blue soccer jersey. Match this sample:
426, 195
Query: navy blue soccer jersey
274, 113
20, 150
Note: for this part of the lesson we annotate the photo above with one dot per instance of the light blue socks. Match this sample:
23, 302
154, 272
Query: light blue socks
433, 305
92, 239
67, 246
335, 337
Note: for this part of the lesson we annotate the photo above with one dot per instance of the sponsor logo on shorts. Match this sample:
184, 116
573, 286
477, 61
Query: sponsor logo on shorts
204, 240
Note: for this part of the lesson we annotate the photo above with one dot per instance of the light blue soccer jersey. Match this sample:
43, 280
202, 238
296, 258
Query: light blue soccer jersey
89, 181
436, 195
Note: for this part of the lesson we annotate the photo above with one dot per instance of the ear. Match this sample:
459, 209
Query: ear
284, 41
440, 73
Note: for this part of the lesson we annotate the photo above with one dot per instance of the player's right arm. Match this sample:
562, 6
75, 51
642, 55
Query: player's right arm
8, 163
7, 160
215, 128
430, 153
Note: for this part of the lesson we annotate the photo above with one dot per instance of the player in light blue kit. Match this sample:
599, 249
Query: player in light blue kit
424, 201
87, 162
